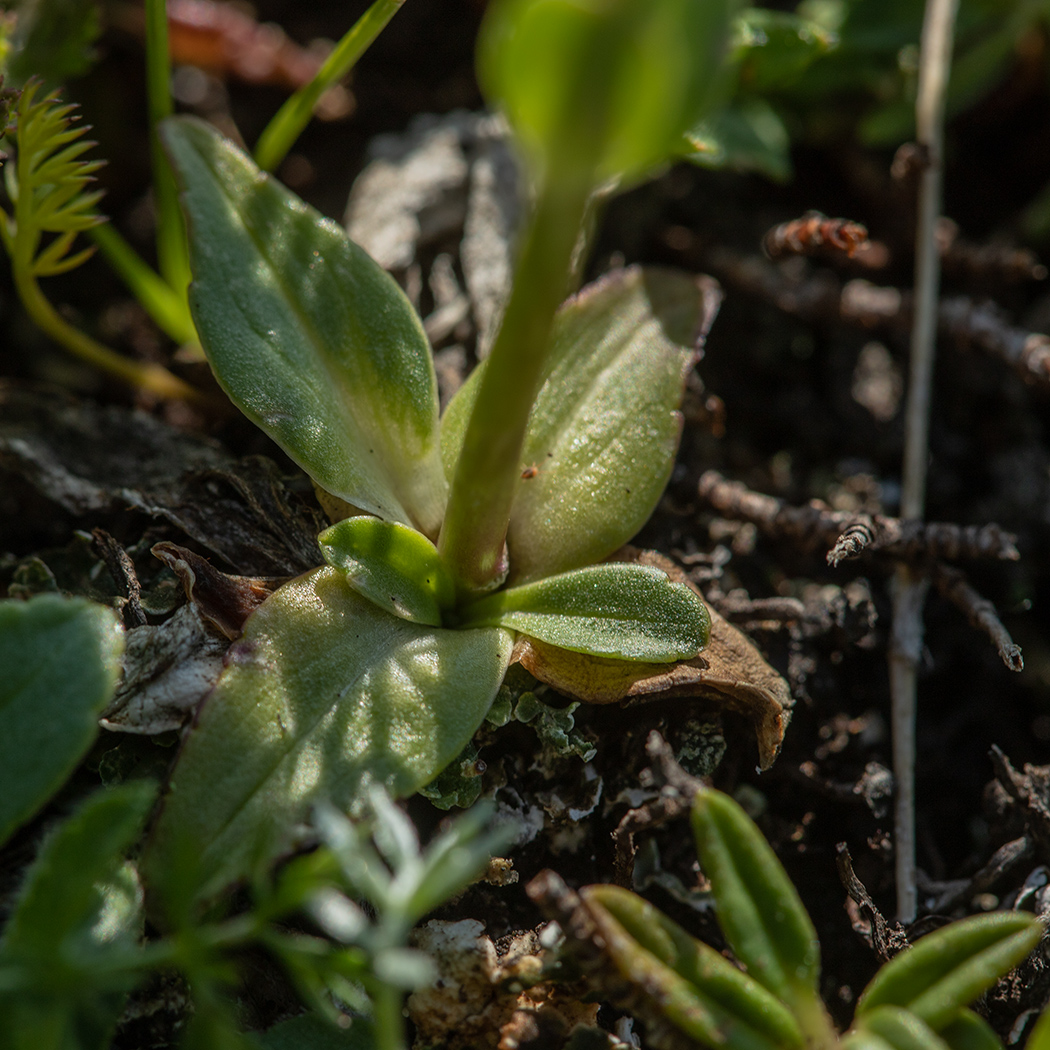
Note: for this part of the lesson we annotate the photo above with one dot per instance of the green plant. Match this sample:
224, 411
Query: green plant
771, 1000
380, 666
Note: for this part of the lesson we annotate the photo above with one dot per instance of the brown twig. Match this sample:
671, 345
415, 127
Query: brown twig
981, 262
848, 534
887, 940
122, 569
954, 586
815, 234
821, 298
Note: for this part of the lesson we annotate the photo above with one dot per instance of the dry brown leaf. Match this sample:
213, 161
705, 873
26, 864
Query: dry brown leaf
730, 671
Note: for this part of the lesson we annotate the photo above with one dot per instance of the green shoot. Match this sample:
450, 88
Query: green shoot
48, 189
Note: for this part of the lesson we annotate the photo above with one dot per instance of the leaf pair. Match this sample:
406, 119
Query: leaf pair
628, 611
918, 1001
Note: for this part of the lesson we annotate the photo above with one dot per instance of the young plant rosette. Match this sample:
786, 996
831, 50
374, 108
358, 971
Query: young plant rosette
380, 666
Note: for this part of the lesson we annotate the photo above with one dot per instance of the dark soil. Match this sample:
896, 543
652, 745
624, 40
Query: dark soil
790, 425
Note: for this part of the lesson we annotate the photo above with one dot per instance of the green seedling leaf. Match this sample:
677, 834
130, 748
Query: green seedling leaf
53, 40
602, 90
62, 659
66, 955
392, 565
898, 1029
951, 967
758, 908
310, 338
775, 47
629, 612
604, 430
970, 1032
324, 694
637, 934
745, 136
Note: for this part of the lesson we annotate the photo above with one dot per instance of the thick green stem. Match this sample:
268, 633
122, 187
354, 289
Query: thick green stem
172, 251
388, 1016
489, 468
154, 378
288, 122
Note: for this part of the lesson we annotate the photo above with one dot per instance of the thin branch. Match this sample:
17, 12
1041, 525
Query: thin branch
981, 613
849, 534
910, 590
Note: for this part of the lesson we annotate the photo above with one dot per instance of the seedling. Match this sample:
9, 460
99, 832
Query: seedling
682, 987
380, 666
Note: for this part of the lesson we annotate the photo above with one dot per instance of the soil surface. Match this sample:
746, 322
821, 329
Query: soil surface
795, 404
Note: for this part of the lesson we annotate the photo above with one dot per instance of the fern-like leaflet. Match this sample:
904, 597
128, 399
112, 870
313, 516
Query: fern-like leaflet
49, 188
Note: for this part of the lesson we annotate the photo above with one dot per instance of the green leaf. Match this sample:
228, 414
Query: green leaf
631, 612
604, 430
311, 339
312, 1032
600, 90
901, 1030
713, 998
66, 954
970, 1032
745, 136
758, 908
392, 565
324, 694
951, 967
775, 47
53, 40
1040, 1037
62, 659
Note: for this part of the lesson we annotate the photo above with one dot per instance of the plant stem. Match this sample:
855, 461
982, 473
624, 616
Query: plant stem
387, 1012
164, 305
489, 470
909, 590
172, 251
288, 122
154, 378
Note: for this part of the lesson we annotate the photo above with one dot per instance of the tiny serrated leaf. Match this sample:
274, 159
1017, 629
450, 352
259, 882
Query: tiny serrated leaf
630, 612
392, 565
62, 658
948, 969
758, 908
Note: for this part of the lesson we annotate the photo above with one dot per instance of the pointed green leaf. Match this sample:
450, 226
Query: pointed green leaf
605, 427
633, 612
758, 908
970, 1032
901, 1030
738, 1006
324, 694
392, 565
67, 953
951, 967
311, 339
1040, 1037
61, 658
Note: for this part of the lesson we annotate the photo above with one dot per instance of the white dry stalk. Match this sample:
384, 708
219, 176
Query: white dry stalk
910, 591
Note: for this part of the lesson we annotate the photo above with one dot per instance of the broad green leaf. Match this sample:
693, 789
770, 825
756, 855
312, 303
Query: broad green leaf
61, 659
1040, 1037
968, 1031
951, 967
901, 1030
53, 40
745, 136
637, 934
324, 694
633, 612
313, 1032
310, 338
66, 955
605, 427
392, 565
602, 89
758, 908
